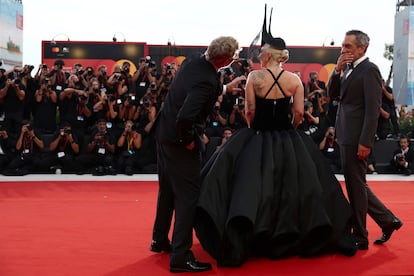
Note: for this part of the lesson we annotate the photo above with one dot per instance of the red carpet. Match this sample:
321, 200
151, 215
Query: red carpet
104, 228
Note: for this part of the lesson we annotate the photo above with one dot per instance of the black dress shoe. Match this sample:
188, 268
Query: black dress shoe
160, 246
190, 266
388, 230
362, 245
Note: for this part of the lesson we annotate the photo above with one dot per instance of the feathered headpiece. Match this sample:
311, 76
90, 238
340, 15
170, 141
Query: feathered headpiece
267, 38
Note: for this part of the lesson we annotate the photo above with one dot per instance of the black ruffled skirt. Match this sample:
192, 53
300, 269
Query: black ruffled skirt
271, 194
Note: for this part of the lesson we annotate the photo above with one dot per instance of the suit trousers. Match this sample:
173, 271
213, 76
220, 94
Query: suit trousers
179, 190
361, 197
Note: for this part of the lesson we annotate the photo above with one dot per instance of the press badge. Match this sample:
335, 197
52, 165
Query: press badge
80, 118
101, 150
142, 83
60, 154
330, 149
58, 87
26, 151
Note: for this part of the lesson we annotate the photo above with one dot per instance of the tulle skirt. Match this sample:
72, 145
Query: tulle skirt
271, 194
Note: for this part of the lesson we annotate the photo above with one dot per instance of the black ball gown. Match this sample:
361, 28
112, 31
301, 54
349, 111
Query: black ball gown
269, 192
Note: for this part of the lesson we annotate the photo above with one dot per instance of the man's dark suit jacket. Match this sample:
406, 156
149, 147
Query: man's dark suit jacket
360, 102
189, 101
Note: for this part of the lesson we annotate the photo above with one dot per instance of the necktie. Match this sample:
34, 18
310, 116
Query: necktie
348, 69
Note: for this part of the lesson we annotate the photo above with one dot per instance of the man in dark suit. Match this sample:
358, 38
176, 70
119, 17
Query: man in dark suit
359, 91
179, 128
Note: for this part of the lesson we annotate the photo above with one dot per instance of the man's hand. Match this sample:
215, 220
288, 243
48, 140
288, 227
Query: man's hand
363, 152
233, 85
190, 146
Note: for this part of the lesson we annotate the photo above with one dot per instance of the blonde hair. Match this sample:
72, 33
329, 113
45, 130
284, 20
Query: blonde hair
281, 56
223, 46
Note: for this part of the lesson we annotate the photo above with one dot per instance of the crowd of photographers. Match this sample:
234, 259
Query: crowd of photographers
86, 121
82, 121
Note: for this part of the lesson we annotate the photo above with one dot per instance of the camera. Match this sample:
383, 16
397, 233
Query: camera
400, 158
44, 66
146, 103
168, 69
67, 131
83, 97
125, 69
330, 134
149, 62
13, 76
29, 128
111, 97
118, 77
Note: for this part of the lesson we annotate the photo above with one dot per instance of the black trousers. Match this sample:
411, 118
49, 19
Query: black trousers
179, 190
360, 195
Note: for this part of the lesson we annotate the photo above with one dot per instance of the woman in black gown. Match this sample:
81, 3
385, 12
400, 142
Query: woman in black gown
268, 191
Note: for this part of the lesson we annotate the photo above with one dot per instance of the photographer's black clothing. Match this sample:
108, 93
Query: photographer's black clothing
393, 112
332, 154
13, 110
29, 98
214, 128
229, 100
26, 159
7, 151
99, 160
127, 155
141, 85
44, 115
384, 126
239, 121
63, 157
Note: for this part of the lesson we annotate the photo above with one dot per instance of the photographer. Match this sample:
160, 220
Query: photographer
310, 122
168, 72
62, 151
28, 147
117, 83
100, 151
403, 157
45, 109
6, 148
315, 86
57, 76
384, 124
12, 94
216, 121
144, 118
41, 74
31, 86
330, 149
237, 118
128, 105
144, 76
73, 109
128, 143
